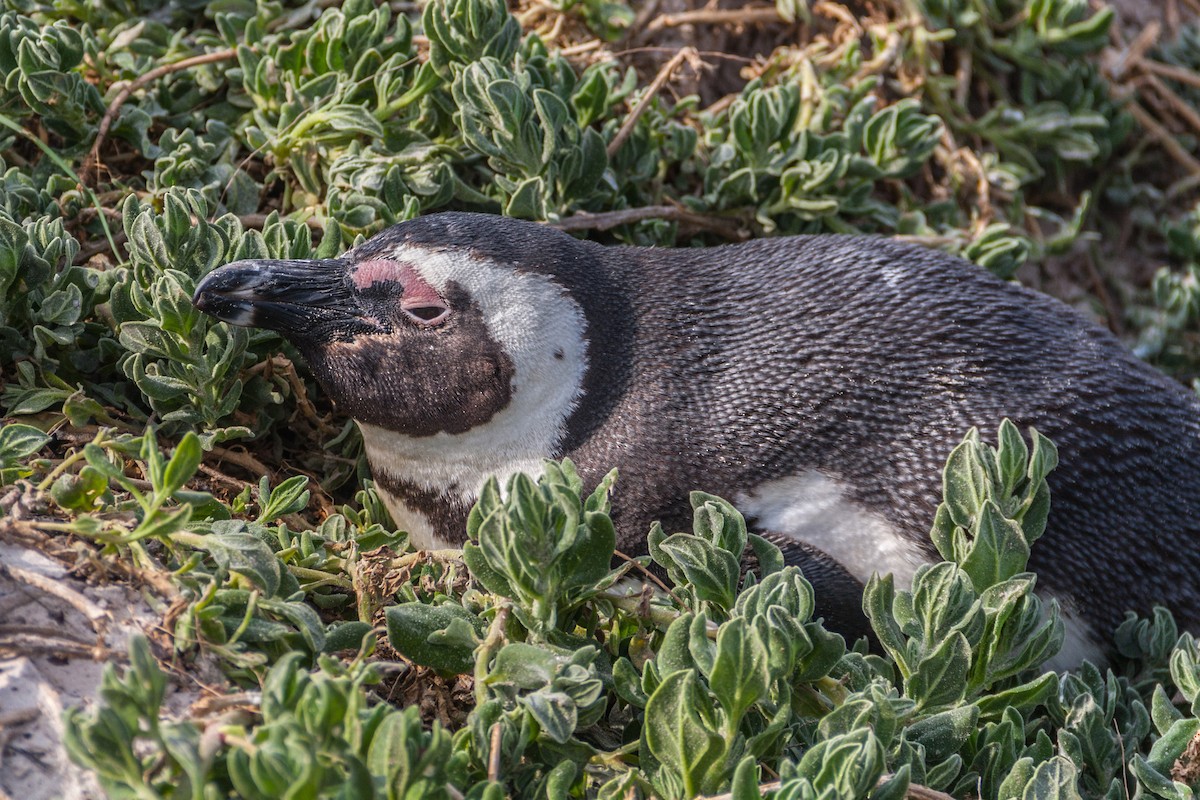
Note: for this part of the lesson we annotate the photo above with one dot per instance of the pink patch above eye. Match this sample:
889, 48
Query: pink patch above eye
419, 300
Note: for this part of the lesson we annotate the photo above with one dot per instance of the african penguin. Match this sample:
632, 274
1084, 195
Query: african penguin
818, 382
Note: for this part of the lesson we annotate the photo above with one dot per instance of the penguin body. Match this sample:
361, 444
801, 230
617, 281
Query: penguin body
818, 382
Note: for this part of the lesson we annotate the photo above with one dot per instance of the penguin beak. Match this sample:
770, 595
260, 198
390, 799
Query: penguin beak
299, 299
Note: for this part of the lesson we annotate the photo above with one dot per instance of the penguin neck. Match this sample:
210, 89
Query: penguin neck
544, 323
429, 483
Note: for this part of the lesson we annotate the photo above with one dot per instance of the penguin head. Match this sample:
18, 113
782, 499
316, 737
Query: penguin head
440, 325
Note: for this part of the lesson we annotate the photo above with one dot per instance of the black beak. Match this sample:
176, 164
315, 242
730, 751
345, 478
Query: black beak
300, 299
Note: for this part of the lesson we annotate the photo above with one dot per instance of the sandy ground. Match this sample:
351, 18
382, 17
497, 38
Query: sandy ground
52, 628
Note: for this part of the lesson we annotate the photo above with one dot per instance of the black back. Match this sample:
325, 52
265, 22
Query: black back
868, 360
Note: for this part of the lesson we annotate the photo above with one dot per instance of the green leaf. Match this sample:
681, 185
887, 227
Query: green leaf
1019, 776
1044, 459
627, 683
746, 780
346, 636
895, 787
81, 409
1185, 668
490, 579
161, 522
965, 481
1056, 779
62, 307
1012, 454
739, 676
1172, 744
289, 497
34, 400
944, 733
848, 765
998, 550
878, 598
526, 666
554, 712
412, 625
675, 653
1023, 696
718, 522
80, 492
681, 732
940, 678
19, 441
182, 466
767, 554
245, 554
711, 571
301, 617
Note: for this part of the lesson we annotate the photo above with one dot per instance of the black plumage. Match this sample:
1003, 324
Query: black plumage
863, 359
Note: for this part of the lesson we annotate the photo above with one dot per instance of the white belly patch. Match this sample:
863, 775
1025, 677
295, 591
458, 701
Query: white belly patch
813, 508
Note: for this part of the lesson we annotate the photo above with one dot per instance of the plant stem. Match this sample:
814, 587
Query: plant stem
63, 466
491, 643
321, 578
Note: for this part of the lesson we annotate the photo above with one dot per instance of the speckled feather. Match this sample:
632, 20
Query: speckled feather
867, 359
861, 361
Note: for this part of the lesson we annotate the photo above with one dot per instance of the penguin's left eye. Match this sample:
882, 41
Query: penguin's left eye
426, 315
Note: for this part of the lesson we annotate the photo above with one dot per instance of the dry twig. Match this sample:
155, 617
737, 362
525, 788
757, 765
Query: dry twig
1176, 104
884, 59
97, 616
748, 15
650, 576
93, 159
95, 248
243, 460
494, 754
11, 719
217, 475
1165, 138
686, 54
1117, 63
581, 48
727, 227
35, 646
1170, 72
288, 370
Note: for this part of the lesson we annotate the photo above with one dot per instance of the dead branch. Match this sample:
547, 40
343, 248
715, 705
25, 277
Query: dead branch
93, 160
727, 227
686, 54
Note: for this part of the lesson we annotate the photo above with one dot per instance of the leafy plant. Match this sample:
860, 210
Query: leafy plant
18, 443
214, 132
691, 691
542, 159
363, 749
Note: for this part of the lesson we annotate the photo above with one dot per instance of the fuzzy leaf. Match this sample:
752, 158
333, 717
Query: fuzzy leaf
411, 627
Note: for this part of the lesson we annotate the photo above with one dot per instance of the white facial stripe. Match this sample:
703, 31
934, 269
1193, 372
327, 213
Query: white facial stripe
813, 508
541, 329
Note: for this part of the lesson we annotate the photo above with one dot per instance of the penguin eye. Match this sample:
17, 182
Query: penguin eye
426, 315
